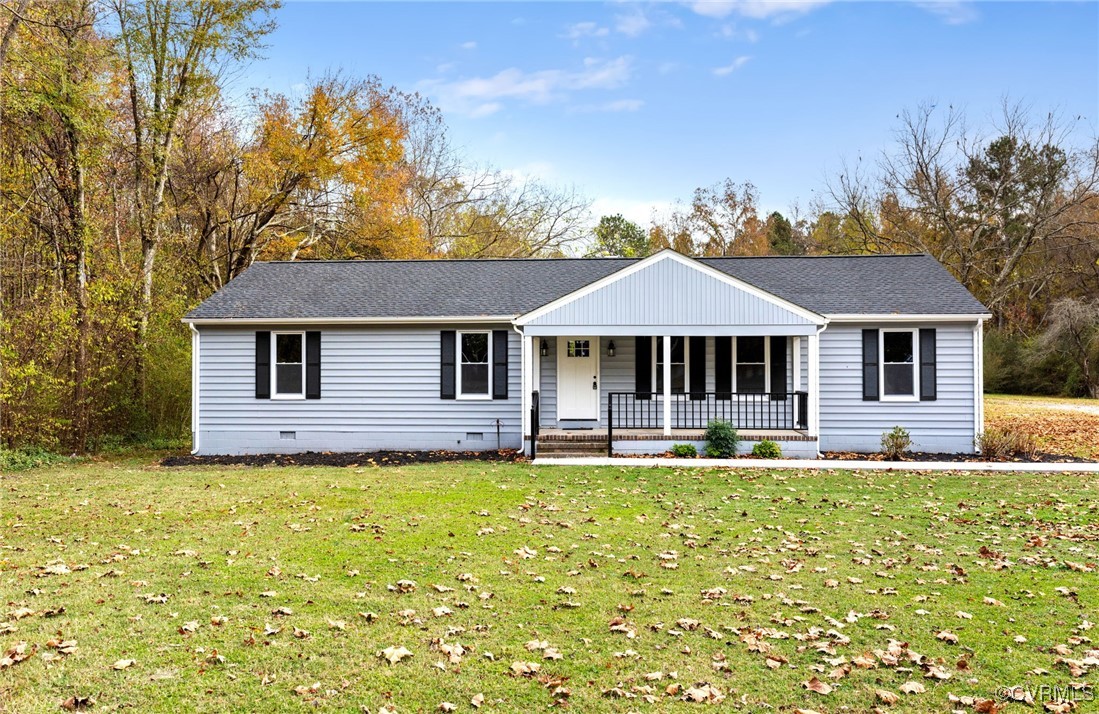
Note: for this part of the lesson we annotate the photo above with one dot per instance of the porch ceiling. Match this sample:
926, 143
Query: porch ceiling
572, 330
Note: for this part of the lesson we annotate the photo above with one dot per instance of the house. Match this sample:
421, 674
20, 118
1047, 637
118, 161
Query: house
587, 355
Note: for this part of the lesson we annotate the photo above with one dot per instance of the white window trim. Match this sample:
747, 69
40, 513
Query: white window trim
458, 394
658, 354
275, 394
766, 366
915, 396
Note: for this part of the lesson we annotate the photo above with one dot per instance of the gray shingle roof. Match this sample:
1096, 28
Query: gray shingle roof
900, 284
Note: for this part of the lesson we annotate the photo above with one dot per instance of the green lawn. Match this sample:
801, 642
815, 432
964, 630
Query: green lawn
750, 581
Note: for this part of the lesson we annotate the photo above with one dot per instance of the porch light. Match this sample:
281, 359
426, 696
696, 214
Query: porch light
544, 349
610, 348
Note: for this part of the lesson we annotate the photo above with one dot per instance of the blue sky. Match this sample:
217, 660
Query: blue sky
636, 104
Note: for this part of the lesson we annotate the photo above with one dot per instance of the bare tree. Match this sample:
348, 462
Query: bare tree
992, 210
1073, 333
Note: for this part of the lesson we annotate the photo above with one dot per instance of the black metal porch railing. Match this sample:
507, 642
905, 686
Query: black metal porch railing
535, 422
759, 411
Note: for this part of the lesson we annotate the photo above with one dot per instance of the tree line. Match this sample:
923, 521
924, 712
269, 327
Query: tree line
134, 183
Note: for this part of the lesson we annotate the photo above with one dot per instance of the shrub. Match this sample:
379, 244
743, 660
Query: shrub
895, 444
721, 440
684, 451
1004, 444
767, 449
27, 458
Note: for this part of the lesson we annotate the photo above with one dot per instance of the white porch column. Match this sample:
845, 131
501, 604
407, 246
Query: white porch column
525, 371
814, 385
667, 385
796, 371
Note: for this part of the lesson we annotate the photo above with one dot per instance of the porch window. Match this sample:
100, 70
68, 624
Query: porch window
289, 376
898, 368
751, 365
473, 372
679, 365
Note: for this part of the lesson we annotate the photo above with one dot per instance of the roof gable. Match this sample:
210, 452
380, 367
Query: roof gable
670, 289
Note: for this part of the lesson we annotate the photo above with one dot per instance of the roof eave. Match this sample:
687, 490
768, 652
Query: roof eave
392, 320
908, 317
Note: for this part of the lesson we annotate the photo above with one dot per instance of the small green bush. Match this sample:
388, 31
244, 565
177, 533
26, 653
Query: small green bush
1003, 444
684, 451
27, 458
767, 449
721, 440
895, 444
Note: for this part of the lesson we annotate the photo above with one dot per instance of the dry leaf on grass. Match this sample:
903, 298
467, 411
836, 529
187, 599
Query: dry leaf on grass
395, 654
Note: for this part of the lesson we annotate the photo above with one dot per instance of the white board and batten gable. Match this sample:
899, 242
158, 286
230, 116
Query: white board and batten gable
668, 293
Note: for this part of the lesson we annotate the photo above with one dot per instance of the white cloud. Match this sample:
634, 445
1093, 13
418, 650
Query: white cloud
730, 31
730, 68
952, 12
478, 94
632, 23
756, 9
471, 45
581, 30
617, 105
484, 110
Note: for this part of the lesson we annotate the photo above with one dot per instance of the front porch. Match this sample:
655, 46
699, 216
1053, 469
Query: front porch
650, 355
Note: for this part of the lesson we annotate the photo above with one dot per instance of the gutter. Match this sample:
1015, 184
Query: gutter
195, 357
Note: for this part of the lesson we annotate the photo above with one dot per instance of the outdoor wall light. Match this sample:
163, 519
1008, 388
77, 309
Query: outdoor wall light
544, 349
610, 348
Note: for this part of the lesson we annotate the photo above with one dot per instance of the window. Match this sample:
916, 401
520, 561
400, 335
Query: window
578, 348
289, 376
679, 365
751, 365
898, 364
473, 368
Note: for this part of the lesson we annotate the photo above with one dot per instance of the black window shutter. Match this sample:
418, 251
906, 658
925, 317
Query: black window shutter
778, 368
499, 364
263, 365
643, 367
928, 366
446, 364
697, 387
870, 365
312, 365
723, 367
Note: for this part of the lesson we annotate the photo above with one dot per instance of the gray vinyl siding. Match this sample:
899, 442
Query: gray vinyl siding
379, 390
847, 423
670, 293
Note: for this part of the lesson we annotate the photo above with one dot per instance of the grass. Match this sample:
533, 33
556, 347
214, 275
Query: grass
1058, 430
835, 560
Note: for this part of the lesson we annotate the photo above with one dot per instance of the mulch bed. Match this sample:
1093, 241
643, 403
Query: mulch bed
1041, 457
325, 458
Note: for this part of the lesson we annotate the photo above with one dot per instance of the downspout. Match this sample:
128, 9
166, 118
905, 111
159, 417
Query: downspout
195, 355
525, 427
815, 398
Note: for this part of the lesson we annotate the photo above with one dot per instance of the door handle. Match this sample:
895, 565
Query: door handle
594, 383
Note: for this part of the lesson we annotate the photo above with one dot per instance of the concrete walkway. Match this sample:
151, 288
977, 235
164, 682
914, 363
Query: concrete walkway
821, 464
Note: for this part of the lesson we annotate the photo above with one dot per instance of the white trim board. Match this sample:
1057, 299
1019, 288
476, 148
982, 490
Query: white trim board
771, 464
462, 320
669, 254
906, 317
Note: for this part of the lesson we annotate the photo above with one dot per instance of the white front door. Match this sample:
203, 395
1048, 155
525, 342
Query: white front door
578, 378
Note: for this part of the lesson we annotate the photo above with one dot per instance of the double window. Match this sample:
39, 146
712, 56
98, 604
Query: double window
474, 373
288, 352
